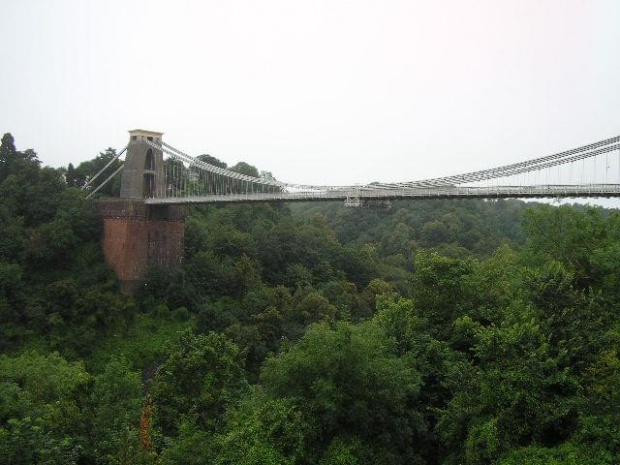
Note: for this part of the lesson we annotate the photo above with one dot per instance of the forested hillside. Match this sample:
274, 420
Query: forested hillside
436, 332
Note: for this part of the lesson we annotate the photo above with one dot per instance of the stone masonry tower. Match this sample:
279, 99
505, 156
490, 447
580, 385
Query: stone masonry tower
143, 173
138, 237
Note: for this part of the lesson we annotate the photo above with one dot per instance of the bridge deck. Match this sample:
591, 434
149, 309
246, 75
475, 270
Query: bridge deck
594, 190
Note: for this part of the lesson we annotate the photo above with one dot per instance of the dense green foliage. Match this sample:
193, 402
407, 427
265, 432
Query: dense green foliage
445, 332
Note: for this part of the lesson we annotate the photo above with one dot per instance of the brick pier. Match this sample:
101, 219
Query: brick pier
138, 237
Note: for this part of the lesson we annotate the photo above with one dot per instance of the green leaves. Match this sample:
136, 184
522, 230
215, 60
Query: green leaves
117, 402
349, 379
43, 418
264, 430
202, 376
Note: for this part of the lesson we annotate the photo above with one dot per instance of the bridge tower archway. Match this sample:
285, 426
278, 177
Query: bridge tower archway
143, 174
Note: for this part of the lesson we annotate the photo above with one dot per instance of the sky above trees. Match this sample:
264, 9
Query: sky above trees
317, 91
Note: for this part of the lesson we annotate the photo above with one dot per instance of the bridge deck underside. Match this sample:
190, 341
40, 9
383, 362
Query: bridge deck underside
595, 190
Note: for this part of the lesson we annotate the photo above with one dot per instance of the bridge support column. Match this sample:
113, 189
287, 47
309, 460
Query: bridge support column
139, 237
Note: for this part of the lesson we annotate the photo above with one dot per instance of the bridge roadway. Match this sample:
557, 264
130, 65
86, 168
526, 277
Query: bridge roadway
447, 192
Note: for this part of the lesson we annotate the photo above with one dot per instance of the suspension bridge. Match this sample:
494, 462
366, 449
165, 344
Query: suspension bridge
160, 174
145, 227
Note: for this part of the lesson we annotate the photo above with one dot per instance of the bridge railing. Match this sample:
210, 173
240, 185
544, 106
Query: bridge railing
551, 191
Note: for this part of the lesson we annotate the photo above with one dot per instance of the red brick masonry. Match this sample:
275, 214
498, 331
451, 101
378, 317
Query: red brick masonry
138, 237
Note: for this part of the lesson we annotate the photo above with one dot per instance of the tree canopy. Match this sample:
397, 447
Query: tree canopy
436, 332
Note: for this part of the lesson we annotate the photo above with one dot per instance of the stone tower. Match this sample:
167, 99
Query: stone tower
138, 237
143, 173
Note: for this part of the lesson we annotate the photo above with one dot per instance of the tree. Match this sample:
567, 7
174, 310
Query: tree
569, 454
567, 235
264, 431
8, 154
80, 175
245, 168
348, 384
434, 233
442, 290
117, 401
202, 376
211, 160
521, 394
43, 415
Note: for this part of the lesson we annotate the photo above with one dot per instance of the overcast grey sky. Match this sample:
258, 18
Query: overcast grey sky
331, 92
